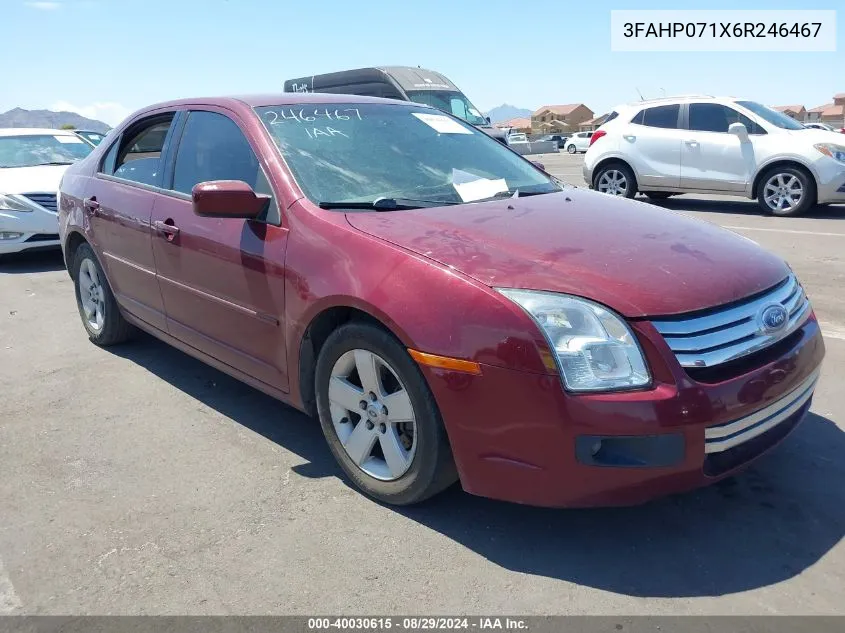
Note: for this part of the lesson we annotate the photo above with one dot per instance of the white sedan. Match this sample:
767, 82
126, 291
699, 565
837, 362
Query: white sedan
578, 142
32, 162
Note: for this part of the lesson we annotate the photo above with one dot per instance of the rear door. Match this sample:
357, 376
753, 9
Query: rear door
712, 158
118, 206
222, 278
652, 143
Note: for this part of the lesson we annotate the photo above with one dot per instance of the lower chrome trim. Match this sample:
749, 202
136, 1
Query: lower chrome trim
724, 436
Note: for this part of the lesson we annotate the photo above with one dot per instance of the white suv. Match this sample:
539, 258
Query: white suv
716, 145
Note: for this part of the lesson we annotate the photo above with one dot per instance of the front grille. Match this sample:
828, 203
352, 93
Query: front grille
722, 437
46, 200
716, 464
43, 237
729, 333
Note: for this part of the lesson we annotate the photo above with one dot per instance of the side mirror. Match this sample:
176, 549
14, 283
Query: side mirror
739, 130
228, 199
487, 118
538, 165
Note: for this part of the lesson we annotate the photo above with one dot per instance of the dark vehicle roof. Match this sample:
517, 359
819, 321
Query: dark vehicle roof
407, 77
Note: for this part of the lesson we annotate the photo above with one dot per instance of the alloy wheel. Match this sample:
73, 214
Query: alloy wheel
372, 414
783, 192
613, 182
91, 295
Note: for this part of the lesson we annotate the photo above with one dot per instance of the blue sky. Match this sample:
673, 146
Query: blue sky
104, 58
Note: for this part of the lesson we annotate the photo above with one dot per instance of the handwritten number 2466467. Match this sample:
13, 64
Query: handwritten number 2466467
306, 115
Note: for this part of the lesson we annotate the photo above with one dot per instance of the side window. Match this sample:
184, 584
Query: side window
139, 156
213, 147
660, 116
711, 117
738, 117
107, 164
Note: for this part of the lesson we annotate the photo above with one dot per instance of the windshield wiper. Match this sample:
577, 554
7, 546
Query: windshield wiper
55, 162
387, 204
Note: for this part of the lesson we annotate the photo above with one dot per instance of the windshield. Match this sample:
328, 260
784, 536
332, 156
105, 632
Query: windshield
454, 103
42, 149
774, 117
362, 152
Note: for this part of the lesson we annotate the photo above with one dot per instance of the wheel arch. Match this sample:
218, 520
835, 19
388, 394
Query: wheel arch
781, 162
73, 241
325, 320
608, 160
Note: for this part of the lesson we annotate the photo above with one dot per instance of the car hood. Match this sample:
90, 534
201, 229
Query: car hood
638, 259
40, 179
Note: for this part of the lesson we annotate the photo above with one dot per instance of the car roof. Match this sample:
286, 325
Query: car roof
670, 100
273, 99
33, 131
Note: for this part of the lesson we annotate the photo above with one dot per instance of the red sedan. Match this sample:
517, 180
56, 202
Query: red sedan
447, 310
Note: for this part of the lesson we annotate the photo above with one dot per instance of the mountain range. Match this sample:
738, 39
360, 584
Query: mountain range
507, 111
18, 117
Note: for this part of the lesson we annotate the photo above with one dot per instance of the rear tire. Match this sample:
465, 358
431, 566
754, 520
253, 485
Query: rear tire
368, 453
571, 149
96, 303
786, 191
616, 179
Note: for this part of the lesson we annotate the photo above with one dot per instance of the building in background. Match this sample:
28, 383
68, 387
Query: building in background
560, 119
797, 112
518, 124
593, 124
830, 113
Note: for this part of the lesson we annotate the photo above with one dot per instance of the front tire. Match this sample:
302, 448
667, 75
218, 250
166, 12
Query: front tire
97, 306
379, 417
786, 191
616, 179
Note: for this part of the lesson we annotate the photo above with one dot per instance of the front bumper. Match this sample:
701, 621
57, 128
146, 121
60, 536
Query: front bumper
830, 181
35, 229
517, 436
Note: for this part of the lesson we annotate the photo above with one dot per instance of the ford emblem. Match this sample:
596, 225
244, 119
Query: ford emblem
774, 318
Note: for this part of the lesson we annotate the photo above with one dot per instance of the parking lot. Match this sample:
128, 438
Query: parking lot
137, 480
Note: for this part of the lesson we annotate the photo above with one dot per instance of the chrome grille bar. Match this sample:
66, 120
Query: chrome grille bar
724, 436
729, 334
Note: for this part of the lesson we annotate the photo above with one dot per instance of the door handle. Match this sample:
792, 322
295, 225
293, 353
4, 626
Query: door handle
167, 229
692, 143
92, 205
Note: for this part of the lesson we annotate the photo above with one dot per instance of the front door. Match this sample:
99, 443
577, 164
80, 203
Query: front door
118, 206
711, 157
222, 279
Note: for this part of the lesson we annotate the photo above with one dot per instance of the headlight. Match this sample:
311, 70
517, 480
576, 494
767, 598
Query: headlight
11, 203
594, 348
836, 152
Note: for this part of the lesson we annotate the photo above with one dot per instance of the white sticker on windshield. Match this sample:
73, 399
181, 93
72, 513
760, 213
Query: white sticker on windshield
442, 124
68, 139
471, 187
